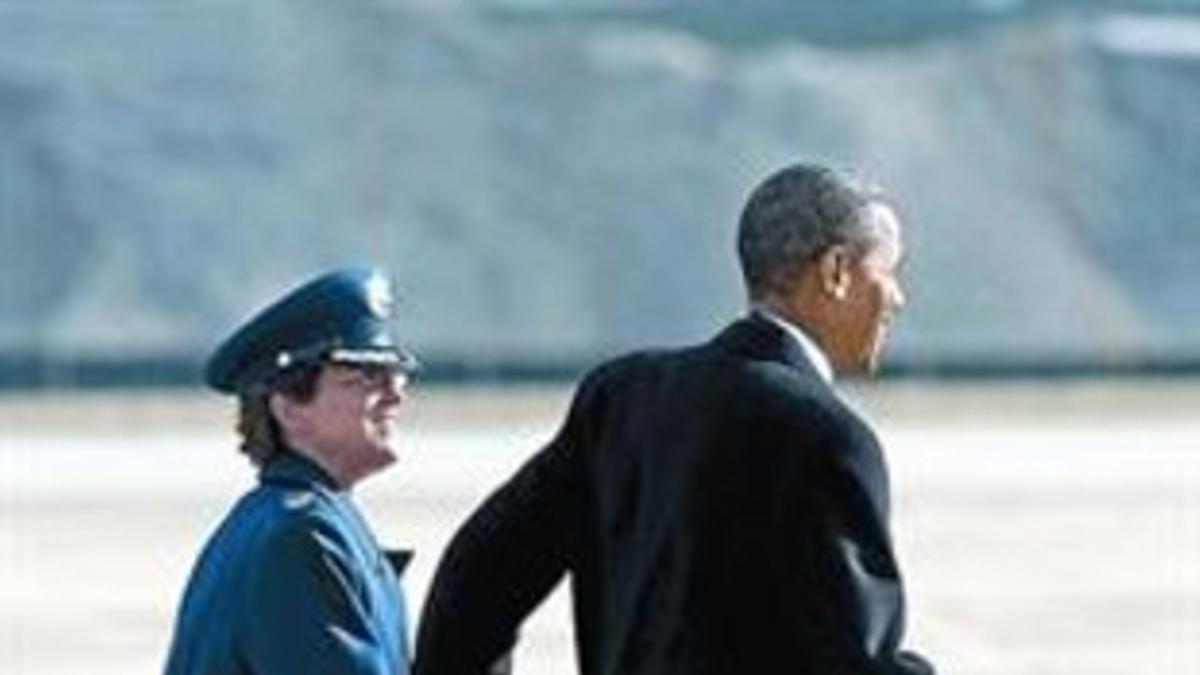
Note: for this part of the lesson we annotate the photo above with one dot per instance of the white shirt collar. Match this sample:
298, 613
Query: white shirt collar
816, 356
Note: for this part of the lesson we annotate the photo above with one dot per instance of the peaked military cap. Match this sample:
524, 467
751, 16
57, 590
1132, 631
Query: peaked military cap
343, 316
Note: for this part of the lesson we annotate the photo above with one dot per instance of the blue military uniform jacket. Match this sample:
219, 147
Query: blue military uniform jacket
292, 582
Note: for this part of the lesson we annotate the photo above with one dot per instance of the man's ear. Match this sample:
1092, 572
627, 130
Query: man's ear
834, 269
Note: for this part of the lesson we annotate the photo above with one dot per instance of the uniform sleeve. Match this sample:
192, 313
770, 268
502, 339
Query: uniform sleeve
843, 595
501, 564
308, 613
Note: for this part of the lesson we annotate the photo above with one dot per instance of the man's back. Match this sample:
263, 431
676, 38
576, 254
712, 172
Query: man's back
689, 516
720, 510
690, 496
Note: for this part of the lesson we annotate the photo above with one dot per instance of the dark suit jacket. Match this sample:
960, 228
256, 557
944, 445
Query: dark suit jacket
719, 510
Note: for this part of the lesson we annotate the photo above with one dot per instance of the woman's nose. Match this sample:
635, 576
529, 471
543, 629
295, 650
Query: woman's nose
395, 387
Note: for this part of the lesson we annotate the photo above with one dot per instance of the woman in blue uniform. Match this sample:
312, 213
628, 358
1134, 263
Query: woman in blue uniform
293, 580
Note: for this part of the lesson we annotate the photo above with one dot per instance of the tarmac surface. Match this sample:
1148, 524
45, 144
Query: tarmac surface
1044, 529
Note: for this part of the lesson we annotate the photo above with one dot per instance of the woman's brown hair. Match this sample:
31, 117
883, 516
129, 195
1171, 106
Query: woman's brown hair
260, 435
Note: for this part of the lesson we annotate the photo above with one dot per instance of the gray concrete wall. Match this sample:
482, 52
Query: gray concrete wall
562, 186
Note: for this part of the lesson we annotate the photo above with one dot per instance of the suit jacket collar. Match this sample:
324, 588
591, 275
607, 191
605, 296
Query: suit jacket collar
757, 337
815, 355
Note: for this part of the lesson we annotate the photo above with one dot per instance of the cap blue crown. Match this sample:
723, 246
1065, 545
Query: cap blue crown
343, 316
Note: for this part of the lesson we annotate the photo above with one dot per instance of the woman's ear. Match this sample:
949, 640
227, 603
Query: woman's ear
287, 413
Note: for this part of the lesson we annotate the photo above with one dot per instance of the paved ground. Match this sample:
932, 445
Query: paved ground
1044, 530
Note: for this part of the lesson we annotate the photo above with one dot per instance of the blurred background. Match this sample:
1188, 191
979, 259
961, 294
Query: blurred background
551, 182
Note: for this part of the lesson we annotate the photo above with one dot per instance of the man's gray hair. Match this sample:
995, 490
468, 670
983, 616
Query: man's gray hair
793, 217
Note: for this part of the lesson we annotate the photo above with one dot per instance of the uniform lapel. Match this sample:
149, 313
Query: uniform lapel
399, 559
293, 470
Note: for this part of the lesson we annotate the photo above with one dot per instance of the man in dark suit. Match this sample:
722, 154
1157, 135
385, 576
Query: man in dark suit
719, 508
